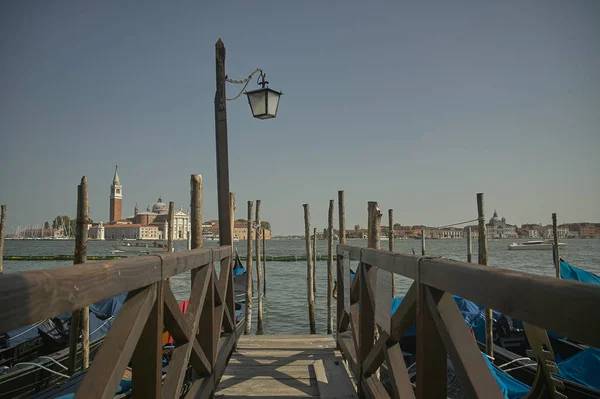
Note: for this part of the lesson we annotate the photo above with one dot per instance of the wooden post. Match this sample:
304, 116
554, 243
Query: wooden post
225, 233
469, 246
2, 222
483, 260
330, 268
80, 319
423, 242
342, 216
196, 211
391, 245
195, 217
264, 257
374, 226
249, 273
259, 326
314, 266
555, 252
171, 229
309, 272
232, 222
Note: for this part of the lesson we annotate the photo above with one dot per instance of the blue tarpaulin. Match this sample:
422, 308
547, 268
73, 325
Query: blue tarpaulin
568, 272
511, 387
583, 367
101, 319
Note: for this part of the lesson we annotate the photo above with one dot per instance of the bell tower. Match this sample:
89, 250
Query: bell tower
116, 196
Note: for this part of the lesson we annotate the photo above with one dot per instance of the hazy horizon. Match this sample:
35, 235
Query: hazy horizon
418, 106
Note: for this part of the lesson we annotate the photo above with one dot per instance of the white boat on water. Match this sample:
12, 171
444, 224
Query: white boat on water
533, 245
141, 247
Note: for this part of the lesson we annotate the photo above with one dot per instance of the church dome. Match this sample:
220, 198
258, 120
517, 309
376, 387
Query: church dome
160, 207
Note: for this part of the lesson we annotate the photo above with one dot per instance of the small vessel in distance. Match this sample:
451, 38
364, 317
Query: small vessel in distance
141, 247
539, 244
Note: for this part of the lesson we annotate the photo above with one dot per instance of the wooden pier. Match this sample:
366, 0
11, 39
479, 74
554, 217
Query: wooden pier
287, 366
204, 362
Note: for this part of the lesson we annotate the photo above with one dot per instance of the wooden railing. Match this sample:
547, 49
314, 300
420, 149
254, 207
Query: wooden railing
136, 334
364, 311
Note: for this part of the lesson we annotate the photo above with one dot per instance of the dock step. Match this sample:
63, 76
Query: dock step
286, 366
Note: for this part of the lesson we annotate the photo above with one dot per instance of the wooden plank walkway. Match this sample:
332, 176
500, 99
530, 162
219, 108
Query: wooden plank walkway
286, 366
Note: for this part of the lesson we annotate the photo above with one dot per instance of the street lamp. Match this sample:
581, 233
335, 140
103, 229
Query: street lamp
263, 103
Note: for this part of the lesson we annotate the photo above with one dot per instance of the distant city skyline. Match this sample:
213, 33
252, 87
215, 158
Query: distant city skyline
417, 106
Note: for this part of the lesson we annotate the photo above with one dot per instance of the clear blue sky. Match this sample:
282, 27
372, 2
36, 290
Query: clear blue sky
417, 105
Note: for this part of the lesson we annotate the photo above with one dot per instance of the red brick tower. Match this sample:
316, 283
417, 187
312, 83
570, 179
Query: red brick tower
116, 196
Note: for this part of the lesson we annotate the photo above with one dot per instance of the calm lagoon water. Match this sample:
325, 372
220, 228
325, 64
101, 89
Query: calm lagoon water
285, 305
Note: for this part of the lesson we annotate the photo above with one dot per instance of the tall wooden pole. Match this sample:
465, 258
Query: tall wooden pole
310, 293
483, 260
232, 220
196, 210
374, 229
342, 216
330, 268
2, 222
249, 272
264, 257
374, 225
259, 326
422, 242
469, 246
80, 319
555, 252
225, 232
314, 265
195, 215
391, 245
339, 275
171, 227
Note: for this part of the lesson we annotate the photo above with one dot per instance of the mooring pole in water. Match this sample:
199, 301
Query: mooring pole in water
80, 319
469, 246
555, 252
195, 217
391, 244
171, 228
314, 265
483, 260
342, 217
2, 222
422, 242
232, 223
248, 315
330, 268
259, 326
374, 241
310, 293
264, 257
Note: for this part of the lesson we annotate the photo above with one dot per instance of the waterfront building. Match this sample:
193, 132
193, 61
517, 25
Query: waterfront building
498, 228
131, 232
96, 232
154, 221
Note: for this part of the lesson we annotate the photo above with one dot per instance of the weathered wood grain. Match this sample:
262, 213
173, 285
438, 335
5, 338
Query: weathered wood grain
431, 354
181, 353
111, 360
539, 300
266, 366
475, 377
310, 293
399, 380
333, 381
147, 356
249, 282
